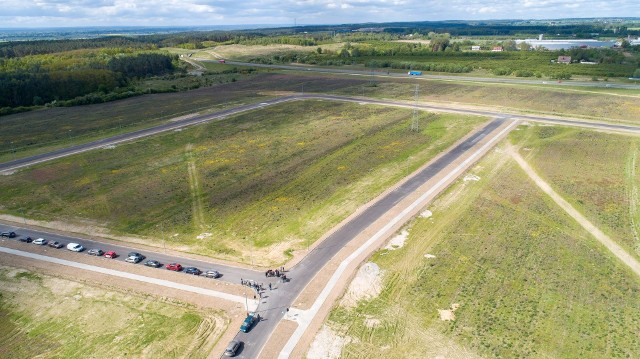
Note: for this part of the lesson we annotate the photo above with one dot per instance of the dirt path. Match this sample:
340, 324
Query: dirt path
614, 248
632, 189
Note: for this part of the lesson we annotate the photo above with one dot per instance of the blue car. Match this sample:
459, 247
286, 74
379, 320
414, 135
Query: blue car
249, 321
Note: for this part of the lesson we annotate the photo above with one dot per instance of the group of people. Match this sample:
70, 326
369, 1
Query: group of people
253, 285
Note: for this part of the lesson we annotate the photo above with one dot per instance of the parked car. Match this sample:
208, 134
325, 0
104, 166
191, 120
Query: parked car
95, 252
134, 257
8, 234
75, 247
249, 321
110, 254
174, 267
212, 274
26, 239
40, 241
232, 348
152, 263
55, 244
192, 270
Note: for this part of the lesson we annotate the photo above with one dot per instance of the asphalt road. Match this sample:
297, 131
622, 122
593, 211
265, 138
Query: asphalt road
229, 273
428, 76
28, 161
274, 306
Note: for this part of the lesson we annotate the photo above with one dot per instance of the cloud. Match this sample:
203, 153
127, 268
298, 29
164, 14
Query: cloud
231, 12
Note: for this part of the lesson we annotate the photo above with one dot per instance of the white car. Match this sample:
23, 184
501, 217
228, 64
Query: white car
40, 241
75, 247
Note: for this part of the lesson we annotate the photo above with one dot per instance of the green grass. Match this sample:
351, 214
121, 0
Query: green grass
283, 174
57, 318
530, 282
596, 172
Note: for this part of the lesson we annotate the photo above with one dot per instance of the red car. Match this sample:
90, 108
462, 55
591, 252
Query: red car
174, 266
110, 254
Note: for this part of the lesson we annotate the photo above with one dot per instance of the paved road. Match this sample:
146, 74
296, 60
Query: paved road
229, 273
436, 77
28, 161
273, 308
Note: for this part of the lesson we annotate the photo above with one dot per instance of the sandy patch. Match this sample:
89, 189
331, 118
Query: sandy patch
180, 118
204, 235
398, 241
449, 314
471, 177
426, 214
372, 322
367, 284
327, 344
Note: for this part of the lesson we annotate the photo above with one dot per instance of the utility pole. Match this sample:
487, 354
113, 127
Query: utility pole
415, 123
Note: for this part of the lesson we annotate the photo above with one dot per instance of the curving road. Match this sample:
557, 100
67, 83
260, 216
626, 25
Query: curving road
8, 167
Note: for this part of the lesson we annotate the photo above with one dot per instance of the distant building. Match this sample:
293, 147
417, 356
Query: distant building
497, 49
475, 48
564, 59
540, 37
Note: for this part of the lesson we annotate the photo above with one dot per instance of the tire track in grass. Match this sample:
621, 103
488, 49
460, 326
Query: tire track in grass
197, 208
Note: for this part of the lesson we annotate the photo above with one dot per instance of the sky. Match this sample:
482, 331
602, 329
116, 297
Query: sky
66, 13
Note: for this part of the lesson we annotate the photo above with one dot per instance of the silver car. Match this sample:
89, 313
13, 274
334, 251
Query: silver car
232, 348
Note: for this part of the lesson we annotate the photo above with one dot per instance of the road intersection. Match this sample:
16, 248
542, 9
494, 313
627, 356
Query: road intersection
403, 201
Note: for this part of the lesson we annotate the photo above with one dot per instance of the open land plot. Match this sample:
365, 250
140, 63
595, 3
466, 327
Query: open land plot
273, 180
616, 106
497, 270
43, 130
50, 317
596, 172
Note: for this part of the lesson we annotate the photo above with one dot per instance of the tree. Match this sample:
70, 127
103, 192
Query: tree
523, 46
509, 45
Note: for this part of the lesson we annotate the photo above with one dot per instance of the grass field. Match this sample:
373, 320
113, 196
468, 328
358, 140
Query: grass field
43, 130
596, 104
275, 179
529, 282
596, 172
48, 317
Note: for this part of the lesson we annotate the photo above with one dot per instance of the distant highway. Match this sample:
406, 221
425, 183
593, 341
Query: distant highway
427, 76
10, 166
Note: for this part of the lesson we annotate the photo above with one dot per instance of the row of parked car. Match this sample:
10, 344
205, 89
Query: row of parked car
132, 257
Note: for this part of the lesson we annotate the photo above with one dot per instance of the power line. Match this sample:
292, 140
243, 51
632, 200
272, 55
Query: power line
415, 122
